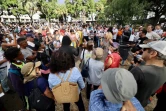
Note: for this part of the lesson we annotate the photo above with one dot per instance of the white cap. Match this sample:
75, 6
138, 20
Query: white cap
159, 46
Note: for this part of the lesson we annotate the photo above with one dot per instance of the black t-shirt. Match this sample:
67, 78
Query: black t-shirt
149, 79
137, 47
141, 40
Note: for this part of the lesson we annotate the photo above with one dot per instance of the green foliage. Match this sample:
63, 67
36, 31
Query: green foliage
48, 9
30, 6
118, 10
156, 6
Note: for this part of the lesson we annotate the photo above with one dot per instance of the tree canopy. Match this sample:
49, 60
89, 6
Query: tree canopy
119, 11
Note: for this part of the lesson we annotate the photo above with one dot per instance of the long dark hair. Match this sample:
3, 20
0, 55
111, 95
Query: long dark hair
110, 30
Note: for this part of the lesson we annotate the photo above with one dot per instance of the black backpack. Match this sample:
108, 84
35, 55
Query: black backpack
38, 100
85, 69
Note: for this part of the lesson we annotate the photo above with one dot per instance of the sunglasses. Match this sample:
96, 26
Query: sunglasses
144, 49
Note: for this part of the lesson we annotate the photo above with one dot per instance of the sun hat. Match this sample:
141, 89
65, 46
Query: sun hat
118, 85
97, 53
159, 46
28, 71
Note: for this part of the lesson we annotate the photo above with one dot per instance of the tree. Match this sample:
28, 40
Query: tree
48, 8
6, 4
61, 12
123, 12
18, 10
30, 8
156, 6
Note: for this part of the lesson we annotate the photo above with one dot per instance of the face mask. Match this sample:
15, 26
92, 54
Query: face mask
109, 52
18, 60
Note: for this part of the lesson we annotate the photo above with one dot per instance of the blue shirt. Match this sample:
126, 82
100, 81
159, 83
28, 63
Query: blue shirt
42, 84
98, 102
75, 77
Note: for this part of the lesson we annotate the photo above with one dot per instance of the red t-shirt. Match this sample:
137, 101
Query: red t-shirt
115, 60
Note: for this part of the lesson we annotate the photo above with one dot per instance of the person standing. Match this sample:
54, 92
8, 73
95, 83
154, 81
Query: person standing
113, 59
96, 68
117, 87
31, 74
151, 76
85, 33
62, 69
151, 34
115, 32
124, 48
16, 58
29, 55
158, 30
3, 61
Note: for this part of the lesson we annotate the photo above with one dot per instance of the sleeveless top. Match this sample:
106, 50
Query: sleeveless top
115, 60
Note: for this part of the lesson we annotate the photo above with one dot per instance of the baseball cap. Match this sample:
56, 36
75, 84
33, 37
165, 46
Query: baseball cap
98, 53
28, 70
118, 85
159, 46
30, 35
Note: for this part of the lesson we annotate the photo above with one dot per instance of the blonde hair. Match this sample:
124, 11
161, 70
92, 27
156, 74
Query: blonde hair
108, 35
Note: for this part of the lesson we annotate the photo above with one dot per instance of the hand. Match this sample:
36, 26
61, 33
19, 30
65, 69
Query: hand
14, 34
128, 106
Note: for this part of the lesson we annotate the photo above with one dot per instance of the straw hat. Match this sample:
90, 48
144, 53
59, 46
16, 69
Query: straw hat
28, 71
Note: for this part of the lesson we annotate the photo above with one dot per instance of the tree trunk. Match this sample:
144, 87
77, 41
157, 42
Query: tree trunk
156, 19
31, 20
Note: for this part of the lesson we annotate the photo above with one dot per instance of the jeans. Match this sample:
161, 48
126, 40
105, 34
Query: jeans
80, 104
88, 90
4, 79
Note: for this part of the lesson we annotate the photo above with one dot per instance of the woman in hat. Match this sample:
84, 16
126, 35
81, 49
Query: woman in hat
31, 73
61, 67
96, 68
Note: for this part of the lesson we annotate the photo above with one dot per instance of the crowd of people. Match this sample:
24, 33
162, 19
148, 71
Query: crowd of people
40, 64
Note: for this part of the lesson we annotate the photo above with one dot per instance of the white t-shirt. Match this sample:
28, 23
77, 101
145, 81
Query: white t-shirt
26, 52
115, 35
153, 35
159, 32
57, 43
87, 55
85, 33
60, 38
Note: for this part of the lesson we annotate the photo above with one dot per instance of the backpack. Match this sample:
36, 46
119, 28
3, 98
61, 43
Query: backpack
66, 92
85, 69
38, 100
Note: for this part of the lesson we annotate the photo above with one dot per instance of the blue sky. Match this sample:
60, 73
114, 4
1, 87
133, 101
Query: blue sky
61, 1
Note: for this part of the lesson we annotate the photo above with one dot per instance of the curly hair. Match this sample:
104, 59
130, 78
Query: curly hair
11, 53
60, 61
